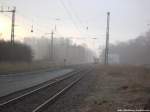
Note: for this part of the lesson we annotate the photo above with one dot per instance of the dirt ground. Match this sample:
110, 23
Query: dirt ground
117, 88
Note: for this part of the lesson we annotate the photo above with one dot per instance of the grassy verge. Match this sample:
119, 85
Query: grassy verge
8, 68
118, 87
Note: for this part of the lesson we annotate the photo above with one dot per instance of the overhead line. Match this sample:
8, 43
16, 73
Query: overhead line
70, 15
77, 17
75, 13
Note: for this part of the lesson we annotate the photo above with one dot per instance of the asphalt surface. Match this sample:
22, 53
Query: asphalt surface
13, 83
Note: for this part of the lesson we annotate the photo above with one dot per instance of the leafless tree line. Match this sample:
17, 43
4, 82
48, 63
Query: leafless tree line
16, 52
135, 51
64, 50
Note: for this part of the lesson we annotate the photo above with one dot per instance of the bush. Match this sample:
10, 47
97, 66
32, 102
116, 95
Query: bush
16, 52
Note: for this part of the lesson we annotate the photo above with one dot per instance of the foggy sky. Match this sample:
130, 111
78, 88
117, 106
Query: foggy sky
129, 18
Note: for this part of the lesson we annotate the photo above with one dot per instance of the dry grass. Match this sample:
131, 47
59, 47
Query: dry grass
7, 68
118, 87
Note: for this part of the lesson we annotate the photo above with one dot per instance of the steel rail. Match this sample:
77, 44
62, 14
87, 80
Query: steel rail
58, 94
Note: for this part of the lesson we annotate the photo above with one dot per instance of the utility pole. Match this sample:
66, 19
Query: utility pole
107, 39
13, 11
13, 25
52, 39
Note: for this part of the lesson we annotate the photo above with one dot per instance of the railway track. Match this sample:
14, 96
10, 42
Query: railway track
36, 100
22, 93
